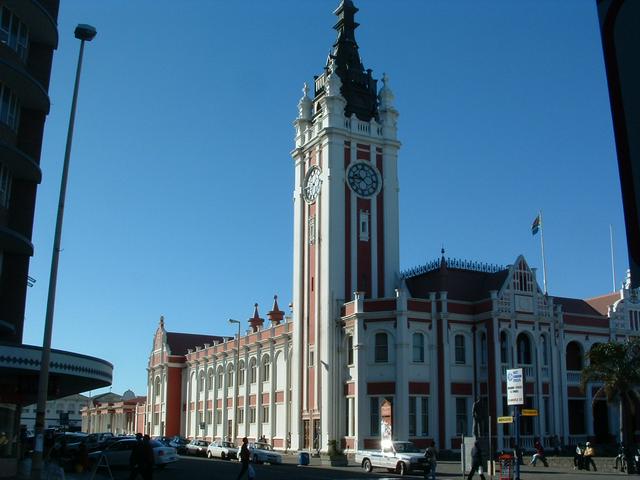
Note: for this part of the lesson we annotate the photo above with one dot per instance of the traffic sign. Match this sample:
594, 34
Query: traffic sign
505, 419
529, 412
515, 387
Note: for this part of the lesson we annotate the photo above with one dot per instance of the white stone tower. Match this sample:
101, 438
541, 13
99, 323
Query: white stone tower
345, 223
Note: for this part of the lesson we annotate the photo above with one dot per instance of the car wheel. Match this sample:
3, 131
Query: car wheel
223, 456
366, 465
209, 454
401, 468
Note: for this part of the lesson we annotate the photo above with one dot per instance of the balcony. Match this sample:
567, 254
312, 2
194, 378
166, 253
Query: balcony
30, 92
42, 26
70, 373
573, 378
22, 166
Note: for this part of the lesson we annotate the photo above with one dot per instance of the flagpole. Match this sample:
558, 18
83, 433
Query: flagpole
544, 261
613, 265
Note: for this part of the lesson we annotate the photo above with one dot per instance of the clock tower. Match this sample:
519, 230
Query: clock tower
345, 224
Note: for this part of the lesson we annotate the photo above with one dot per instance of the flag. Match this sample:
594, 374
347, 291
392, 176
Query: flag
536, 225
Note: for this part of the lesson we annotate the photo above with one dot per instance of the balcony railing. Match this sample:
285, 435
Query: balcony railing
573, 377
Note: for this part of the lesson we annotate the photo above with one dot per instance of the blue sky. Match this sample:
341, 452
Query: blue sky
181, 180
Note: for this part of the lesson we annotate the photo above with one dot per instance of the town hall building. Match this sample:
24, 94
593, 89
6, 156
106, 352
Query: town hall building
427, 343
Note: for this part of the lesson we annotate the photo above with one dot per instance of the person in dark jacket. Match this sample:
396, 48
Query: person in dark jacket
146, 460
135, 458
431, 461
244, 458
476, 461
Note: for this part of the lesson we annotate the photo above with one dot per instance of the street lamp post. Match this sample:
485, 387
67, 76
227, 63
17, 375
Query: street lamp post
235, 389
84, 33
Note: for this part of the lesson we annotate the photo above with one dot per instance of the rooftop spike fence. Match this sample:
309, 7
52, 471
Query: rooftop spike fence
452, 263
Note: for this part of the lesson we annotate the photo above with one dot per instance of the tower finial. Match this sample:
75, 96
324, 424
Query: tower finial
359, 89
304, 105
255, 322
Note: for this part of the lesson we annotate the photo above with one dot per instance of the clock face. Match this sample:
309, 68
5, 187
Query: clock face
364, 179
312, 184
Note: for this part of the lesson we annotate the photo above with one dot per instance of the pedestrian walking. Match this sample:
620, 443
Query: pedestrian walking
476, 461
589, 453
539, 455
147, 460
135, 467
244, 458
578, 458
431, 456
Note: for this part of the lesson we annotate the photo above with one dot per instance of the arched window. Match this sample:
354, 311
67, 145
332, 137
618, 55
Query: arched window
349, 349
574, 357
220, 377
483, 348
230, 375
266, 368
156, 387
504, 349
460, 349
201, 382
252, 371
210, 379
381, 348
524, 349
418, 348
241, 372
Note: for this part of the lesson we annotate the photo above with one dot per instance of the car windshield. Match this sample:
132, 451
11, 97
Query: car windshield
405, 447
156, 444
263, 446
228, 445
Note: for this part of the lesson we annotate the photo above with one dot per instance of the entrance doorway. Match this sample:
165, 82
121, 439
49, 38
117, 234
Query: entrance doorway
316, 434
601, 421
305, 434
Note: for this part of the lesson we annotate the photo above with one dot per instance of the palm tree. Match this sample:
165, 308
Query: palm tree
617, 367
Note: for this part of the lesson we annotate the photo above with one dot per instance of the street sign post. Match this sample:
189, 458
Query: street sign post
515, 387
529, 412
515, 397
505, 419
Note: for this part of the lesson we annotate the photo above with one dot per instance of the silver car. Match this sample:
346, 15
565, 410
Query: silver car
222, 449
119, 453
264, 453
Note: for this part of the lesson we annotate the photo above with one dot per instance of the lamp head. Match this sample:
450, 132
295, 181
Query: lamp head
85, 32
231, 320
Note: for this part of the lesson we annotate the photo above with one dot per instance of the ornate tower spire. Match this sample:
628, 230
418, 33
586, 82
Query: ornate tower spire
358, 87
255, 322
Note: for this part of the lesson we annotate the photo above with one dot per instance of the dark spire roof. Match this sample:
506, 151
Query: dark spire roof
358, 87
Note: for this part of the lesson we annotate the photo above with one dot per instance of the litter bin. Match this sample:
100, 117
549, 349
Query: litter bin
505, 466
303, 458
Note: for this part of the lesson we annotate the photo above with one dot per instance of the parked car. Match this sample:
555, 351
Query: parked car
401, 457
180, 444
119, 452
223, 450
264, 453
163, 440
197, 447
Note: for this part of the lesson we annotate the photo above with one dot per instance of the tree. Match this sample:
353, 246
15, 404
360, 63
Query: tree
617, 367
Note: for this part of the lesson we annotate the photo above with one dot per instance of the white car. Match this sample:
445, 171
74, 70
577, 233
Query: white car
264, 453
223, 450
401, 457
118, 453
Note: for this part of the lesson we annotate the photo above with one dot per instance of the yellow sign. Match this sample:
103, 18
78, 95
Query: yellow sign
505, 419
529, 412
